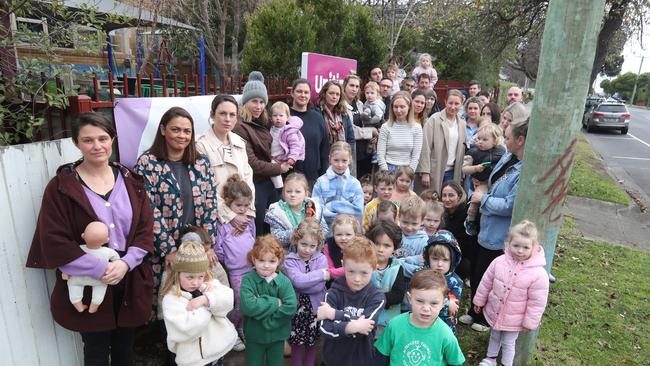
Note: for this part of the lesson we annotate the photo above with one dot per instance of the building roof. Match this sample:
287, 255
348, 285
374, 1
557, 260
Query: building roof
134, 15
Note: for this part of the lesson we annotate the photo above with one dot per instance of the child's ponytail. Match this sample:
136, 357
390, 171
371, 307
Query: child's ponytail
235, 188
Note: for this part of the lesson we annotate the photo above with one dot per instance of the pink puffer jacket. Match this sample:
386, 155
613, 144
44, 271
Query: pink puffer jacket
292, 140
513, 294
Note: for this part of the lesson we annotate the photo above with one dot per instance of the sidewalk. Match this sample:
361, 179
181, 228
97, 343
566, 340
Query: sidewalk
611, 222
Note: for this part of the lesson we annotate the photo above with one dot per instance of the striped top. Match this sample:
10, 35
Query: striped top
399, 144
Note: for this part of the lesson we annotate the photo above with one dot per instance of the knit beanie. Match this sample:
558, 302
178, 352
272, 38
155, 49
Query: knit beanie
190, 257
254, 88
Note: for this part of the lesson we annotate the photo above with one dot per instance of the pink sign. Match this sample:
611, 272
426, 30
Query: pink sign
319, 69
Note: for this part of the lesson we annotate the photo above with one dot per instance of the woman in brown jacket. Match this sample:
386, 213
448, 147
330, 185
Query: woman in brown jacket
95, 189
254, 129
443, 146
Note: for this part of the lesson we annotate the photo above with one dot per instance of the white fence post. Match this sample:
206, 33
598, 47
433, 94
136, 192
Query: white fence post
29, 335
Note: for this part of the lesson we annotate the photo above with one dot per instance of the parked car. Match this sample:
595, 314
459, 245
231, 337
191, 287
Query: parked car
593, 101
608, 114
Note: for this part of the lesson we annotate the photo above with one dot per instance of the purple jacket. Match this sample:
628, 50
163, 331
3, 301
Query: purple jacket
311, 283
292, 141
232, 249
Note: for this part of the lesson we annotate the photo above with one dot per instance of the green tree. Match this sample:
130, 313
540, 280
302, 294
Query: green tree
22, 88
459, 53
363, 40
278, 32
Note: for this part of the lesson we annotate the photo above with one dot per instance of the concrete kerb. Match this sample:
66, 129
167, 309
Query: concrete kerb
619, 224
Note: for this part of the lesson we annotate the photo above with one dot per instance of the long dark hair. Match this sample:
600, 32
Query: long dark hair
340, 107
494, 111
159, 146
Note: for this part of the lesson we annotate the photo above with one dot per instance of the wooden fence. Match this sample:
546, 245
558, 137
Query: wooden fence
29, 336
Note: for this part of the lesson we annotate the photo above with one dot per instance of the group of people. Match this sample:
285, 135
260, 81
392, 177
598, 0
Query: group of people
258, 235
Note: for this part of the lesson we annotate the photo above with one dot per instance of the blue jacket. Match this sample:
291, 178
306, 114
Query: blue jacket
497, 205
410, 251
338, 194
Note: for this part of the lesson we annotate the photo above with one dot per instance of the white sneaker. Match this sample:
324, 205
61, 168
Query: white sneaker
488, 362
466, 319
480, 327
239, 346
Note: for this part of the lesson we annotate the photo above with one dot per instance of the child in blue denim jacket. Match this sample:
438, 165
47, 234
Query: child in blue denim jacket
337, 191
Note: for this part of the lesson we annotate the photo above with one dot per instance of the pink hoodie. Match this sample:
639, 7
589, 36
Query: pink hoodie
513, 294
292, 141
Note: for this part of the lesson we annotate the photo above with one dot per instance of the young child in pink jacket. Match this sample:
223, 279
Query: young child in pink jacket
288, 142
513, 292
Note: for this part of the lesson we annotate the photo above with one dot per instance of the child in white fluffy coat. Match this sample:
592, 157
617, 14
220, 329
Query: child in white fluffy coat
194, 308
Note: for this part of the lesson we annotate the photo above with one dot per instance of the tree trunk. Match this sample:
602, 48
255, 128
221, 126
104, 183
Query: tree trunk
612, 23
203, 17
7, 55
148, 46
221, 36
234, 40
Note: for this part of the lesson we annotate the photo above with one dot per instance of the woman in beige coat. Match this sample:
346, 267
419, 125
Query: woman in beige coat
443, 146
227, 154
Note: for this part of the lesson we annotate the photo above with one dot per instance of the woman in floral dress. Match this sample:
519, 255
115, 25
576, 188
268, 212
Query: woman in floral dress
181, 188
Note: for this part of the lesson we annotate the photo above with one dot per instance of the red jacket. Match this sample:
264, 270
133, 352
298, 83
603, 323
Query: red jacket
65, 212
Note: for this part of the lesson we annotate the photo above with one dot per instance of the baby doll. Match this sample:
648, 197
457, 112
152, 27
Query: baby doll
95, 235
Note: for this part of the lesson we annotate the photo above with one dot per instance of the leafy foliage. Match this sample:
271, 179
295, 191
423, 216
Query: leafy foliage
30, 92
460, 54
290, 27
278, 33
624, 85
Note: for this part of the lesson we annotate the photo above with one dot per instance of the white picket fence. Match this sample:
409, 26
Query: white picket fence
28, 334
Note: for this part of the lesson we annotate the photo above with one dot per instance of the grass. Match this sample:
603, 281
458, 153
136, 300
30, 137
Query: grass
590, 179
598, 310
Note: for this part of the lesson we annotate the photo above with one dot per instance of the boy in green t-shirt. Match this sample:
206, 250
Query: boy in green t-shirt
419, 337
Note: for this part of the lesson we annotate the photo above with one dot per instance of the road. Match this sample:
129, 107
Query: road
629, 152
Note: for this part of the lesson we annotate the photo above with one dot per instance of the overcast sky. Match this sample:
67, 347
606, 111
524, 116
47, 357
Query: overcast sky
632, 52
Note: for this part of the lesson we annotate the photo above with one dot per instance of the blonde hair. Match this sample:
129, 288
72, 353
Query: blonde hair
456, 93
412, 207
371, 85
172, 283
424, 56
245, 115
309, 227
492, 130
527, 229
341, 146
345, 219
410, 118
434, 207
284, 107
298, 177
405, 170
439, 251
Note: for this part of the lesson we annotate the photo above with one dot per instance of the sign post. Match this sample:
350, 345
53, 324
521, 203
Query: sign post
319, 69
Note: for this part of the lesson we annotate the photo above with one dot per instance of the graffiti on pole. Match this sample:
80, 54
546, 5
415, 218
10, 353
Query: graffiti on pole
558, 187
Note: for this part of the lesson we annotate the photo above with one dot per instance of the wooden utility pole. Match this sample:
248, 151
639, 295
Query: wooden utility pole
566, 60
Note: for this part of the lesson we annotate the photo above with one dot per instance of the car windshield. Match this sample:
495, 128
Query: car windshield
612, 108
